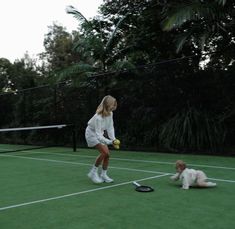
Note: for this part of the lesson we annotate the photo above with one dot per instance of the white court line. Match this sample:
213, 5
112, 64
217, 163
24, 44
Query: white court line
79, 163
119, 168
132, 160
78, 193
216, 179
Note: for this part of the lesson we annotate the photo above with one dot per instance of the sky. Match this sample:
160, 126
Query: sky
24, 23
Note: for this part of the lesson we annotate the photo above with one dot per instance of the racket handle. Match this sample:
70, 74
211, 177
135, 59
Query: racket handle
136, 184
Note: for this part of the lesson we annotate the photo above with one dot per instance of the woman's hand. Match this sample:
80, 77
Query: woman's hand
116, 144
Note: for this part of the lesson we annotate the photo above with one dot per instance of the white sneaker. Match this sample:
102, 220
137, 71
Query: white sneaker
95, 177
211, 184
106, 179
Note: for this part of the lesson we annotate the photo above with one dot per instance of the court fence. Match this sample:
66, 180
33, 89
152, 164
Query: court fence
167, 108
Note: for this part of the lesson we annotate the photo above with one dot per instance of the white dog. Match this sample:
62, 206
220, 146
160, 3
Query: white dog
190, 177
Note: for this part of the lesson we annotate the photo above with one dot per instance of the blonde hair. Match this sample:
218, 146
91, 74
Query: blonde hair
180, 164
104, 109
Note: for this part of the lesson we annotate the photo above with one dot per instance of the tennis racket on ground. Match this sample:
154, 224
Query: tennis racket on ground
142, 188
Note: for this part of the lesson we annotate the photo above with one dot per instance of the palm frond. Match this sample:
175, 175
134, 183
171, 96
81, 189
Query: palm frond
192, 130
221, 2
114, 32
202, 40
189, 12
123, 65
78, 15
181, 40
75, 72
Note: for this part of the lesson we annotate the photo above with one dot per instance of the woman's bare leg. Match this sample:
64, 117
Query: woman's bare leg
103, 157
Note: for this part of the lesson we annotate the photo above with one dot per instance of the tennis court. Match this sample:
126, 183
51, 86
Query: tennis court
49, 188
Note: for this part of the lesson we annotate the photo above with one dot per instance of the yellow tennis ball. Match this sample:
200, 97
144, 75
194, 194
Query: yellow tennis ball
116, 142
116, 146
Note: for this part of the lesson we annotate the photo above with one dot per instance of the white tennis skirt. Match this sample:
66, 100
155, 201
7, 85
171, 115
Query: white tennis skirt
91, 137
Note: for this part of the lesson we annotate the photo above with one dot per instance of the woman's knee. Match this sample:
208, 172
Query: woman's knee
104, 150
105, 154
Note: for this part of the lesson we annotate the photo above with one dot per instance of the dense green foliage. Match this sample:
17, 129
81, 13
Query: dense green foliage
169, 63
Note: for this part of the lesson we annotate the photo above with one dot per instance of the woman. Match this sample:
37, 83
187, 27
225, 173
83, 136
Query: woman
100, 123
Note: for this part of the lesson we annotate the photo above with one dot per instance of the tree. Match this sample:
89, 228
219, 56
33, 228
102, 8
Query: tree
207, 25
5, 78
58, 45
97, 38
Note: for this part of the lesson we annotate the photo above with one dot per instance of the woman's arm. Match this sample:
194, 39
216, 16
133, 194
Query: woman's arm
100, 134
110, 128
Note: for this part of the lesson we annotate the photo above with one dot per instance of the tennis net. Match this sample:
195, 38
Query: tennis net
28, 138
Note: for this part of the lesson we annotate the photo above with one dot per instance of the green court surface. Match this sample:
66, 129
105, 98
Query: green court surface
49, 189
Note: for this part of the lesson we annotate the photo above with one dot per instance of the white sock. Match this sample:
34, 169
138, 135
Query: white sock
104, 172
94, 169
